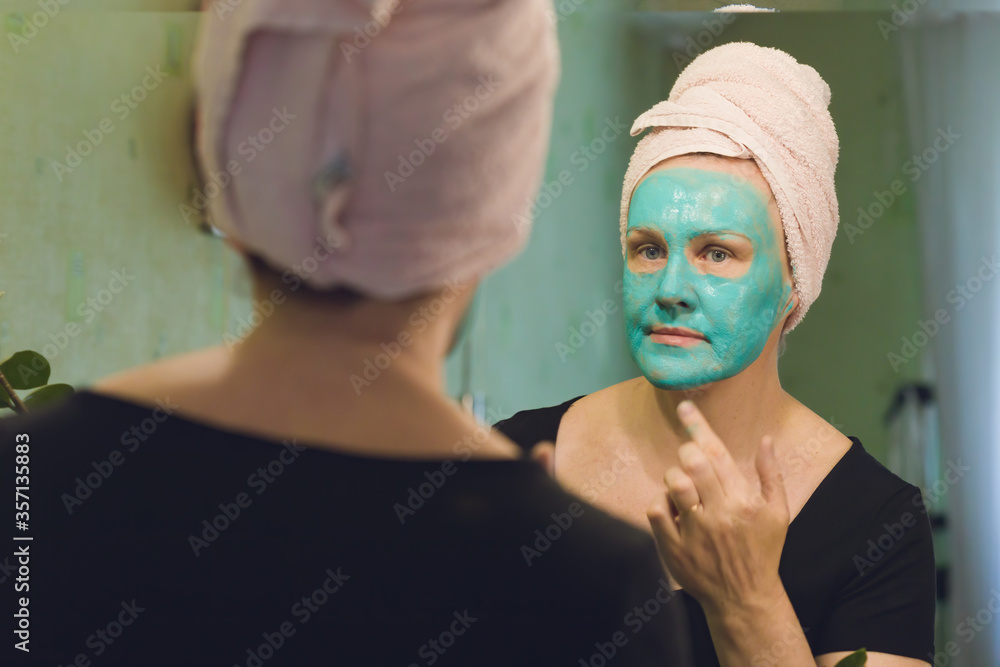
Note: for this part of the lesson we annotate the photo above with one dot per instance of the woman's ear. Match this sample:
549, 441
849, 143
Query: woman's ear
792, 304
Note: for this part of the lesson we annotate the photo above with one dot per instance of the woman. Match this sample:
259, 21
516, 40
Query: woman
764, 513
309, 495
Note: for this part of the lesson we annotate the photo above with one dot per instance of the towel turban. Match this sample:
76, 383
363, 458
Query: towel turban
400, 141
742, 100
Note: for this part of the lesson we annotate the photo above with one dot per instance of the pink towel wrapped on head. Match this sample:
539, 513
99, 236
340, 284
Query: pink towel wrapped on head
382, 145
746, 101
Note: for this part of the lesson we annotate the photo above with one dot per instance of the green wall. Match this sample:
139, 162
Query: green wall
63, 236
67, 233
61, 240
836, 360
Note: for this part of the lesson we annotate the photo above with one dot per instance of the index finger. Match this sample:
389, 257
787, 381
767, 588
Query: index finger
700, 431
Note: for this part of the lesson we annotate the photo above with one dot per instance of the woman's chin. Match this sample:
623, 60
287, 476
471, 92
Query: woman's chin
676, 382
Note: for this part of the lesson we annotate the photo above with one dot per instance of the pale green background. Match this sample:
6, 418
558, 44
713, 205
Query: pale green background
835, 361
119, 209
60, 242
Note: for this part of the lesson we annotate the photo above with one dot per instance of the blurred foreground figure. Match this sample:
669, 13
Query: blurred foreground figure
309, 495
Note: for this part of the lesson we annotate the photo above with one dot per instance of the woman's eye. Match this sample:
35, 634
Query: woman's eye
651, 252
717, 255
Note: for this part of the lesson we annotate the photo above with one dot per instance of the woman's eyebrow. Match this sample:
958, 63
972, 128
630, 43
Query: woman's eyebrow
718, 233
647, 233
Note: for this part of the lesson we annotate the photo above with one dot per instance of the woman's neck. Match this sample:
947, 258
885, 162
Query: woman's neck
325, 375
740, 410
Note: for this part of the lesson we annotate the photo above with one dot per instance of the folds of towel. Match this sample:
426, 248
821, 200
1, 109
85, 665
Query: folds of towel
410, 140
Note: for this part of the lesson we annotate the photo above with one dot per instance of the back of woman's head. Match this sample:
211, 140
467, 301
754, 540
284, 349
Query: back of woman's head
382, 147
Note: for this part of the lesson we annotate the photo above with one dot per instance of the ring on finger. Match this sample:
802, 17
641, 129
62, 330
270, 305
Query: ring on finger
693, 508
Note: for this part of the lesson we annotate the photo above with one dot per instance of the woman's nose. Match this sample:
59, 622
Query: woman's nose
676, 293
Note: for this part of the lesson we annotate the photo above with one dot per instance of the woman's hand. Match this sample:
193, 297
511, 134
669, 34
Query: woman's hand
544, 454
719, 536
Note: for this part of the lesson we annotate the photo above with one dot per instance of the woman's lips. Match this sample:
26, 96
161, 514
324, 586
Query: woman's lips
676, 336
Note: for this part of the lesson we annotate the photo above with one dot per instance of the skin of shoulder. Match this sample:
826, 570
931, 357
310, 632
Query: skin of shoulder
177, 374
807, 446
599, 413
204, 388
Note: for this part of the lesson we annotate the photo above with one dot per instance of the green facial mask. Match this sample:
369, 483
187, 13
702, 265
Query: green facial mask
687, 276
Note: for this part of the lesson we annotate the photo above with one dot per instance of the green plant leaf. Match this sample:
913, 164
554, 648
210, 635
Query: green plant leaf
857, 659
50, 393
26, 370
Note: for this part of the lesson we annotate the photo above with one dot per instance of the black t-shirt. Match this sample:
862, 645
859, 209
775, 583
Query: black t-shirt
158, 540
858, 561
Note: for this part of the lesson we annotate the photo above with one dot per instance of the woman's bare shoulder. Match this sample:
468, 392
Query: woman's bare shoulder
812, 442
178, 375
807, 425
600, 411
